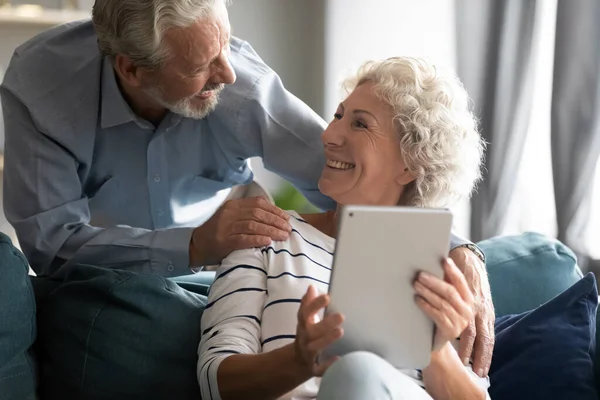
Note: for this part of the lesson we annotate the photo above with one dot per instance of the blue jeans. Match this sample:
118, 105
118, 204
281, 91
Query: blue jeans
362, 375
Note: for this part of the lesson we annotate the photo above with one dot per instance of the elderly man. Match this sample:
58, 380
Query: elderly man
122, 132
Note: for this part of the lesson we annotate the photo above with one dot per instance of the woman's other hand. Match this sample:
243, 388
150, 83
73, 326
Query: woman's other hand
313, 335
448, 302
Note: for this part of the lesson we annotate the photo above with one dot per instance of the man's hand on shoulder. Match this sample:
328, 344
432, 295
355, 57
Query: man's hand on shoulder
238, 224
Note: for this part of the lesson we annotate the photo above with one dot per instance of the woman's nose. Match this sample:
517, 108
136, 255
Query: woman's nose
333, 136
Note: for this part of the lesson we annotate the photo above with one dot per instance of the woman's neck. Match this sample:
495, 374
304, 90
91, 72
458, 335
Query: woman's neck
326, 222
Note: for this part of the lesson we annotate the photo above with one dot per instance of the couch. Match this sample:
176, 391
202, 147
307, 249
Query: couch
121, 335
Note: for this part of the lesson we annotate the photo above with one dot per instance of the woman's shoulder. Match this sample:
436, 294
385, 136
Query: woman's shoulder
305, 232
304, 240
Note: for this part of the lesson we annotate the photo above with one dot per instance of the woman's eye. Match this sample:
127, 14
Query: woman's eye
359, 124
337, 116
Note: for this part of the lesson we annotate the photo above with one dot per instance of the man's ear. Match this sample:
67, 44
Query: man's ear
128, 71
405, 177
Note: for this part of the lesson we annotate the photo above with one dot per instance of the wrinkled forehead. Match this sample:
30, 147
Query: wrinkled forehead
200, 43
366, 96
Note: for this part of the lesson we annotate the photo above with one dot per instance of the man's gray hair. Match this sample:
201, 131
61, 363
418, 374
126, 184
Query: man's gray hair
136, 28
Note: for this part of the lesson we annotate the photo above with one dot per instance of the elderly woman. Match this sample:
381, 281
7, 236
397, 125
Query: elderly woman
403, 136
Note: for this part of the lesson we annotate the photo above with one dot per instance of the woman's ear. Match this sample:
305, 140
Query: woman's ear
405, 177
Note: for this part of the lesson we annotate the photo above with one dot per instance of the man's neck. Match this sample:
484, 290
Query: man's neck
141, 104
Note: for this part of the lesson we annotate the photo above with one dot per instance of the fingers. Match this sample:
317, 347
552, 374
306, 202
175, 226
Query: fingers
322, 328
310, 306
483, 349
443, 322
308, 297
467, 341
312, 336
268, 217
443, 296
458, 280
251, 227
264, 204
325, 339
244, 241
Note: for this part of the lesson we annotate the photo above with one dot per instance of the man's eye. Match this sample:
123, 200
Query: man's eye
337, 116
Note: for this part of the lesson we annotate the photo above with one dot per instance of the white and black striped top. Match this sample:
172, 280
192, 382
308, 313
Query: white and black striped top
253, 303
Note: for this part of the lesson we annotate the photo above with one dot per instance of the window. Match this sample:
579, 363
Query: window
593, 228
532, 206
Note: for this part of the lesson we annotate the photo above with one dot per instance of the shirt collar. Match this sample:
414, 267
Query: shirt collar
115, 110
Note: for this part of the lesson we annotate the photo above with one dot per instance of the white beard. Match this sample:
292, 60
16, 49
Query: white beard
185, 107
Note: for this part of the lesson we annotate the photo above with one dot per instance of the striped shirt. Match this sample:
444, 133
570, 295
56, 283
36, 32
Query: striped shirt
254, 301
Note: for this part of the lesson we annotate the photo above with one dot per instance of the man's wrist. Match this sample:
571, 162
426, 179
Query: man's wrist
474, 249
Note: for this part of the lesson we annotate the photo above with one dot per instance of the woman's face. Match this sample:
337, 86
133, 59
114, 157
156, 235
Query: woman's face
364, 161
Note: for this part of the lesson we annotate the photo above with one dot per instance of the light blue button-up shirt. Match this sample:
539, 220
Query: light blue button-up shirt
87, 180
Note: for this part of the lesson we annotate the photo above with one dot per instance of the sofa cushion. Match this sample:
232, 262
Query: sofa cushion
107, 334
547, 353
118, 335
527, 270
17, 325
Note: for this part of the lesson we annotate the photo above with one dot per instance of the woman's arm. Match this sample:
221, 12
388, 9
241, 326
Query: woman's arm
231, 363
283, 369
231, 322
261, 376
447, 378
449, 303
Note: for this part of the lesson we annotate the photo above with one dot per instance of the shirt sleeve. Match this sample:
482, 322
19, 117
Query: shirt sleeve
231, 323
44, 202
290, 135
457, 241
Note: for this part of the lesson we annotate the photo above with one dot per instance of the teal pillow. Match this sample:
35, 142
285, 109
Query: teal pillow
527, 270
17, 325
108, 334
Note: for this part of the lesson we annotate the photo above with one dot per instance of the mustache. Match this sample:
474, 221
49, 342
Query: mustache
212, 86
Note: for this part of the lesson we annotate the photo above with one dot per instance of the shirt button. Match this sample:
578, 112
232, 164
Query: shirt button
156, 178
160, 212
170, 267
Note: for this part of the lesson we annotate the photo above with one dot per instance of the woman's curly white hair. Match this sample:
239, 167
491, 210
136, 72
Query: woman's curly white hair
438, 134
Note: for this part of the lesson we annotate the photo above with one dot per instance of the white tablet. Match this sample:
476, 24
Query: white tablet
378, 254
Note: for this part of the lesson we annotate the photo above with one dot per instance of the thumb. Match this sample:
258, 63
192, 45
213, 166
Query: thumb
311, 293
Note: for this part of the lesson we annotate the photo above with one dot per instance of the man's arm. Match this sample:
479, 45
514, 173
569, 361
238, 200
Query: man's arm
287, 134
44, 201
458, 242
477, 341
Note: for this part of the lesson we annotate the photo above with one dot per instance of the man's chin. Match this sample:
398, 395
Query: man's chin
196, 109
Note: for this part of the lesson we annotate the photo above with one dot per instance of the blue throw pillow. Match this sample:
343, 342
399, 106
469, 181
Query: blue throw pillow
17, 325
548, 353
117, 335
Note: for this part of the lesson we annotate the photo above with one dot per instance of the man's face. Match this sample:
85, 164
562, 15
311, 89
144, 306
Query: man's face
198, 68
